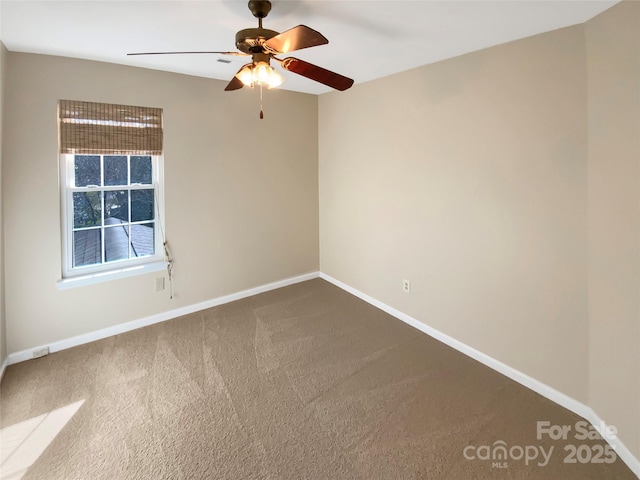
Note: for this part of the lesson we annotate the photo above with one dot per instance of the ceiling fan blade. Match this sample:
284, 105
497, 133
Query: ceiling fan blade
319, 74
188, 53
296, 38
234, 84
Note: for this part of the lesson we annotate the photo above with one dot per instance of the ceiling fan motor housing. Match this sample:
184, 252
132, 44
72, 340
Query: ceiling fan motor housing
250, 40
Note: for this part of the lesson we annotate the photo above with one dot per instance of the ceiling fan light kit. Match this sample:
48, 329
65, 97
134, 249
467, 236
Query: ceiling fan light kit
262, 45
259, 72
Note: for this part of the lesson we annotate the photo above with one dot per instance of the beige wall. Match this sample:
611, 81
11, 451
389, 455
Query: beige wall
505, 184
468, 177
613, 59
3, 325
241, 194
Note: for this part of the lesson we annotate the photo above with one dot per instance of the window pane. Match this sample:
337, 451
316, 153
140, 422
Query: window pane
87, 247
142, 240
87, 170
141, 170
115, 170
116, 243
142, 205
87, 209
116, 207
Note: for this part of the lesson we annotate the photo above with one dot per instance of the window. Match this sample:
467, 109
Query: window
111, 176
110, 209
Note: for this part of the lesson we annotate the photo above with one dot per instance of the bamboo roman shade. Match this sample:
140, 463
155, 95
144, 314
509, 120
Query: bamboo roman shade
103, 128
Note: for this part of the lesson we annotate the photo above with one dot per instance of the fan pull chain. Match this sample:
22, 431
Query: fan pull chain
261, 113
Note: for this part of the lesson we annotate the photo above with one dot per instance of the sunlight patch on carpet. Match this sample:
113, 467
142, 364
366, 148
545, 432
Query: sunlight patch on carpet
24, 442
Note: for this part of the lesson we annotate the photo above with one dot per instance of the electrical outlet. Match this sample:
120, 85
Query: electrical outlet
406, 286
41, 352
159, 284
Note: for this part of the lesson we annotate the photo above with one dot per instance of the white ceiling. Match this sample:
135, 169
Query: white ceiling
367, 39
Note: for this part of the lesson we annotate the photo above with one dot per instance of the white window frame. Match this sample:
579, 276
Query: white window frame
75, 276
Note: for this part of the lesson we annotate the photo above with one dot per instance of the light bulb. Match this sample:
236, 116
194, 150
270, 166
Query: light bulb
245, 75
264, 74
261, 73
275, 78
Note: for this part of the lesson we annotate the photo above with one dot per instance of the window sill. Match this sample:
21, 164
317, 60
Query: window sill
81, 280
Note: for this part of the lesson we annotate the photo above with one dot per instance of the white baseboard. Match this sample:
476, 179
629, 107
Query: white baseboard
537, 386
24, 355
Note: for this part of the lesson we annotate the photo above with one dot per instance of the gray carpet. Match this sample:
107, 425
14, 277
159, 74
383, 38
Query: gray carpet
304, 382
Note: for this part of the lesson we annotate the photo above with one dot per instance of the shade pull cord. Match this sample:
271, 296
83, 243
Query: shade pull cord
169, 260
165, 246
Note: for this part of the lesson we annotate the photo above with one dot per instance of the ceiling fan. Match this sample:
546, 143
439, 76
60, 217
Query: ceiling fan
262, 45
